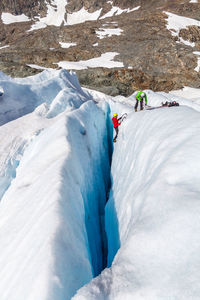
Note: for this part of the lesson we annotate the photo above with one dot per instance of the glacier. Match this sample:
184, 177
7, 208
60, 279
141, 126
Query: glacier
83, 219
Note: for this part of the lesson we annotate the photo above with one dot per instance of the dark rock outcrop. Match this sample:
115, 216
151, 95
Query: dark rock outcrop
28, 7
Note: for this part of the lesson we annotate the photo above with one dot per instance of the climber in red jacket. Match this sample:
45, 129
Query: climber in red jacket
116, 124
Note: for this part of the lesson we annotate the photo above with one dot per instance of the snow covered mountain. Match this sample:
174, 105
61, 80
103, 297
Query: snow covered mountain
116, 46
81, 219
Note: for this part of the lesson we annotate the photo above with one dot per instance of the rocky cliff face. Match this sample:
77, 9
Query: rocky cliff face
153, 56
28, 7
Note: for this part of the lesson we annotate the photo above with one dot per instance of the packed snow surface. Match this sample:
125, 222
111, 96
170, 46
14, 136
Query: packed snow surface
107, 32
37, 67
115, 10
176, 23
6, 46
8, 18
67, 45
82, 16
55, 176
106, 60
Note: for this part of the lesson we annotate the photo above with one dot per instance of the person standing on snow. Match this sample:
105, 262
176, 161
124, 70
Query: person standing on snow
116, 124
140, 97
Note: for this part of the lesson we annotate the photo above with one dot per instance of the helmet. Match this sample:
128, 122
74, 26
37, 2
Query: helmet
115, 115
142, 94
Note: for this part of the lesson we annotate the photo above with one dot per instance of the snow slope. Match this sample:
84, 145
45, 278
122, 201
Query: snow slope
176, 23
57, 15
8, 18
153, 213
105, 60
55, 159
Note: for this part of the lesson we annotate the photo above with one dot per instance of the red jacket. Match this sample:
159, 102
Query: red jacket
116, 122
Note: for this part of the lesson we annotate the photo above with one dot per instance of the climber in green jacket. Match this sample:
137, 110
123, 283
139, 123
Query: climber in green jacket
140, 97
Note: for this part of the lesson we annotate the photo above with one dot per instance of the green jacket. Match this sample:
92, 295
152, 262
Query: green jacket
139, 98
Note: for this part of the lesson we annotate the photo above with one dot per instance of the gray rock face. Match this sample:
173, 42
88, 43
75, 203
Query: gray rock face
28, 7
153, 58
90, 5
